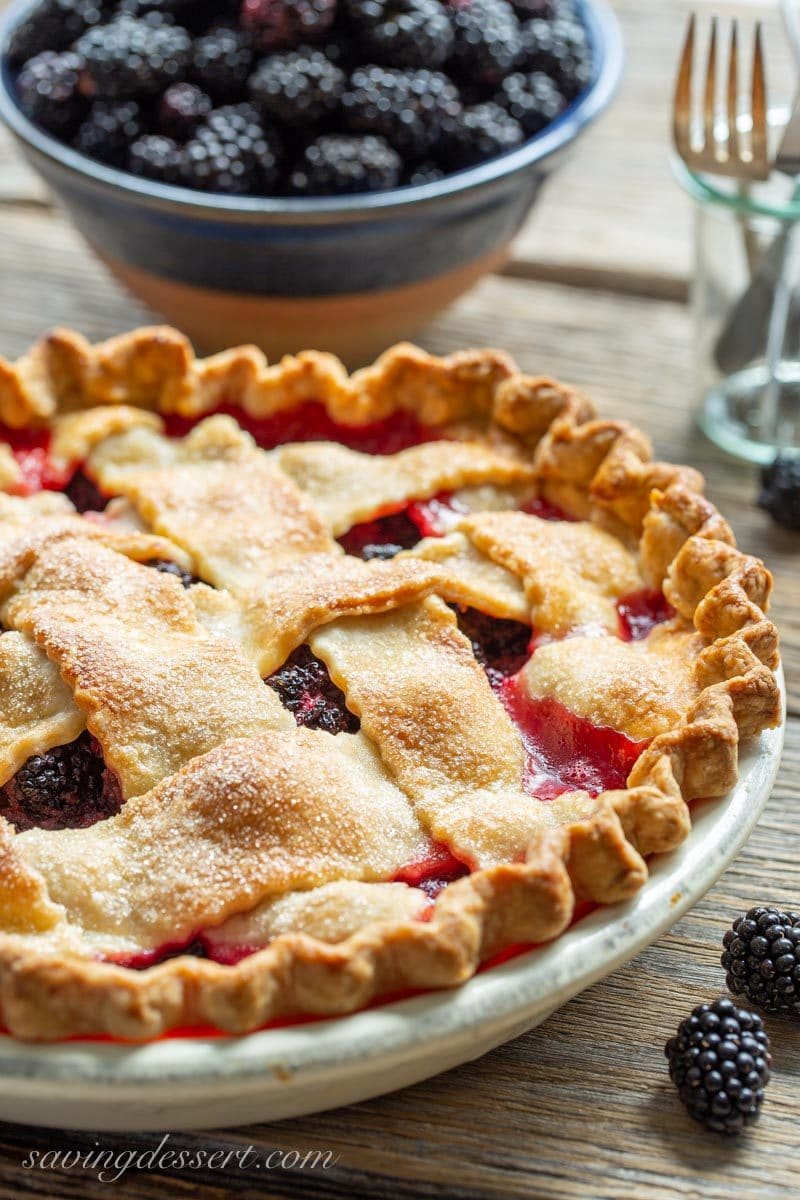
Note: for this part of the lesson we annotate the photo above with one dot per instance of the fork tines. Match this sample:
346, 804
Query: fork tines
732, 142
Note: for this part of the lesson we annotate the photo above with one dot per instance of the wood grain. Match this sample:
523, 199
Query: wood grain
581, 1107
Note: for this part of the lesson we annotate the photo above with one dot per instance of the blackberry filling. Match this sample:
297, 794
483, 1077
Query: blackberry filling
307, 690
171, 568
502, 647
68, 787
85, 494
382, 538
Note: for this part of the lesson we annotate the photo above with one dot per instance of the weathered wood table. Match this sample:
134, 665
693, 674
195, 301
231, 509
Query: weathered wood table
581, 1107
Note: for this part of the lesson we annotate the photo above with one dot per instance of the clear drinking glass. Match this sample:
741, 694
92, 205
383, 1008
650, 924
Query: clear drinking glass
745, 301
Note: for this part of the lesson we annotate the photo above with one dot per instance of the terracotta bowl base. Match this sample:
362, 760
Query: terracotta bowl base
356, 327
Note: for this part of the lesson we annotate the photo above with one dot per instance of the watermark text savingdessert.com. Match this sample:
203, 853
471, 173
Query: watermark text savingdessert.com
109, 1166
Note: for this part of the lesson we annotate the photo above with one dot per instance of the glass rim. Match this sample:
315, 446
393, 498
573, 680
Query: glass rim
700, 188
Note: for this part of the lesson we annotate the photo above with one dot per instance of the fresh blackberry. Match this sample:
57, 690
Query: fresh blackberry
560, 49
221, 61
780, 491
500, 646
132, 57
286, 24
53, 25
167, 567
526, 10
479, 133
762, 959
156, 157
298, 88
720, 1061
306, 689
533, 100
407, 108
403, 33
232, 153
48, 91
488, 39
108, 130
425, 172
338, 164
68, 787
181, 109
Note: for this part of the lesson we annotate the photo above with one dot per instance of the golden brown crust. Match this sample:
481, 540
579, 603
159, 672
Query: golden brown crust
600, 471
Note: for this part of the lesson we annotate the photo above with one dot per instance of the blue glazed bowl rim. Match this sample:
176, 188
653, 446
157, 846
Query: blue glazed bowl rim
609, 57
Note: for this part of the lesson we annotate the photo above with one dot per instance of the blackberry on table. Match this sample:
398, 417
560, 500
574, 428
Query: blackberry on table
403, 33
68, 787
762, 959
132, 57
407, 108
479, 133
338, 164
307, 690
488, 39
53, 25
221, 61
108, 130
561, 50
533, 100
232, 153
48, 91
157, 157
298, 88
720, 1062
286, 24
780, 491
181, 109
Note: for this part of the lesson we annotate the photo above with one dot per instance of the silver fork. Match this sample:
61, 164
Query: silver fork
706, 143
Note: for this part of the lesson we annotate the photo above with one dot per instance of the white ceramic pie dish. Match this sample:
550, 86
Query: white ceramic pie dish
184, 1083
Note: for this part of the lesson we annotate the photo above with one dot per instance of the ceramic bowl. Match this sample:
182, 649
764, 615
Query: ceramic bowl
183, 1083
350, 275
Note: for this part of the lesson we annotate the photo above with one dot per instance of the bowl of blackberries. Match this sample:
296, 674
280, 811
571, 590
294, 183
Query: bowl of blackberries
292, 172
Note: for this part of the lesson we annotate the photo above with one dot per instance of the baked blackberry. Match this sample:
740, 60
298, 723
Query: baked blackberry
561, 50
85, 494
407, 108
488, 40
131, 58
500, 646
780, 491
68, 787
298, 88
403, 33
108, 130
338, 164
720, 1062
286, 24
762, 959
382, 538
221, 61
53, 25
181, 109
156, 157
479, 133
533, 100
314, 700
232, 153
48, 91
167, 567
